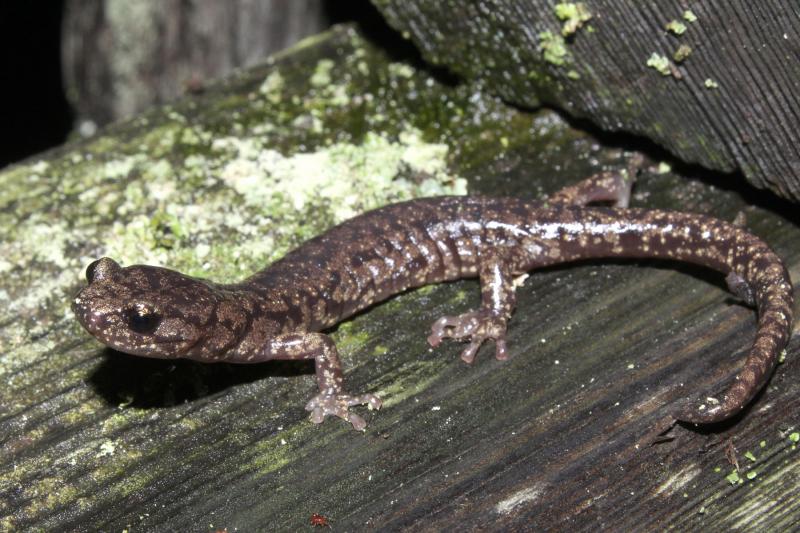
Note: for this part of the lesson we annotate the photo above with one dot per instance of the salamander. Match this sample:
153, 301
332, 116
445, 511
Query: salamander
282, 311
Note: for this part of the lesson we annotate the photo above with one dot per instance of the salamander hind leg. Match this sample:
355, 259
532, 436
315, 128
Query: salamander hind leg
332, 399
610, 186
488, 322
336, 404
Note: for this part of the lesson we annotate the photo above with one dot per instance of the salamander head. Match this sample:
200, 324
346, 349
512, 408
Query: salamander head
144, 310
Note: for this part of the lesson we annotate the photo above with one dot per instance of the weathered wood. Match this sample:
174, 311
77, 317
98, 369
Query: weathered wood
95, 440
731, 104
122, 57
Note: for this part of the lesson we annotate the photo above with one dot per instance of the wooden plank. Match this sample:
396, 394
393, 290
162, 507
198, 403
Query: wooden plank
730, 103
96, 440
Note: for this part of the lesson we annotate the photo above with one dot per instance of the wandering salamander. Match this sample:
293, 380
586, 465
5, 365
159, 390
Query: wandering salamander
281, 311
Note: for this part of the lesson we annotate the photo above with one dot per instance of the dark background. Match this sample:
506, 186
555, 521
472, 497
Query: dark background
34, 112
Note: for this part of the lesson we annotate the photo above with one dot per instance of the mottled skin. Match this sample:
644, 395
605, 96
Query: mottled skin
279, 312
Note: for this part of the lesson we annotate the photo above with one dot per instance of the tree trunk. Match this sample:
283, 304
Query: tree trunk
121, 57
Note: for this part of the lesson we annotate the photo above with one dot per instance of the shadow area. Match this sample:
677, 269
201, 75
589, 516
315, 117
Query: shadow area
144, 382
375, 29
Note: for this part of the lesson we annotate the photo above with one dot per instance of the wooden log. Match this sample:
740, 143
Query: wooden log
714, 84
121, 58
221, 183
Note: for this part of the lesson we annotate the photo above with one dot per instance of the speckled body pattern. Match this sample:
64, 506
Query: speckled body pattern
279, 313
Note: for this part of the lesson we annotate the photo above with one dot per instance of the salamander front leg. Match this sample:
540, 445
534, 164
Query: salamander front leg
332, 398
488, 322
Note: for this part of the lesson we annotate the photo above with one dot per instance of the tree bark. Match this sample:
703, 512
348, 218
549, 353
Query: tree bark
121, 57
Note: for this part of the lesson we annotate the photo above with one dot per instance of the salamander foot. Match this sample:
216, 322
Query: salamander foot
324, 404
475, 326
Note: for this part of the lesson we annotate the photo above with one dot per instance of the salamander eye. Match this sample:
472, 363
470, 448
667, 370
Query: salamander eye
143, 320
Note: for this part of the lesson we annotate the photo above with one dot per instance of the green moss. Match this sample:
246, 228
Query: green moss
676, 27
322, 73
710, 84
380, 350
275, 452
350, 338
272, 87
733, 478
683, 52
660, 63
573, 14
689, 16
106, 448
553, 48
401, 70
413, 379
